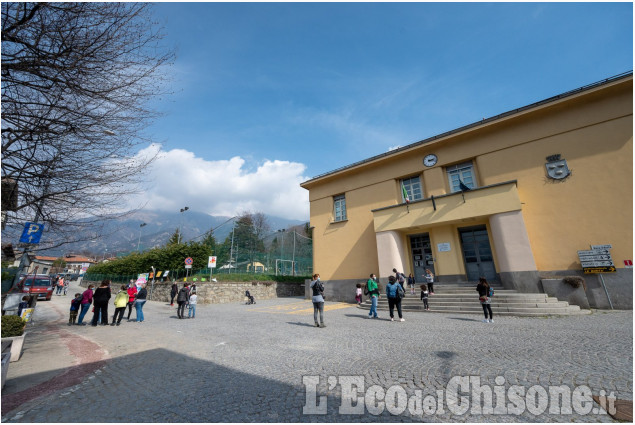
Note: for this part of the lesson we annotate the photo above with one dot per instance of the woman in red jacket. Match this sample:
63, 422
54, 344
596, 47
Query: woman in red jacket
132, 293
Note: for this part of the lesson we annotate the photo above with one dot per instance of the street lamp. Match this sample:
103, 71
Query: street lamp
139, 241
181, 227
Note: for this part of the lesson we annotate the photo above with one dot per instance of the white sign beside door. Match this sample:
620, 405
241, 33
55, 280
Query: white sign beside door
443, 247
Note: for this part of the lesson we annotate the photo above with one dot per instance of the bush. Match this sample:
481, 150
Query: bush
574, 281
12, 326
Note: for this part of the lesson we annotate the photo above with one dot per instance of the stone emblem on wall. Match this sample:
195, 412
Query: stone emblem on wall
557, 168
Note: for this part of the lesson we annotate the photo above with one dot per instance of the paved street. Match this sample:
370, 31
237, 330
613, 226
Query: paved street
245, 363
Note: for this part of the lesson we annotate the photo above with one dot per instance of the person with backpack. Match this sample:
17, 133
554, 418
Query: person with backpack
100, 302
372, 290
132, 293
87, 299
182, 299
318, 301
400, 278
485, 293
395, 293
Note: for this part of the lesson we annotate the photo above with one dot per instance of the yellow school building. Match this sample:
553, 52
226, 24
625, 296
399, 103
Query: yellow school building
513, 198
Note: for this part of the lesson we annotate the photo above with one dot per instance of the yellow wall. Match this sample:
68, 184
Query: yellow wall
593, 131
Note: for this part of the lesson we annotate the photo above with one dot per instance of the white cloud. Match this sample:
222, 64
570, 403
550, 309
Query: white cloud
179, 178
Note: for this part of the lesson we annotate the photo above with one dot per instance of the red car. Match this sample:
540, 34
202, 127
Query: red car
39, 284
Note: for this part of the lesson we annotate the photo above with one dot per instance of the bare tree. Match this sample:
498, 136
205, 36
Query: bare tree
77, 79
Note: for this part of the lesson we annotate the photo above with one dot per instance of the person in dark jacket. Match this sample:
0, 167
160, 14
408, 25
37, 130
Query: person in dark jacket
484, 298
393, 298
182, 299
139, 302
100, 301
173, 292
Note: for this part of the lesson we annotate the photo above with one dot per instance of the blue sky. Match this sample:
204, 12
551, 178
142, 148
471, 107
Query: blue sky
267, 95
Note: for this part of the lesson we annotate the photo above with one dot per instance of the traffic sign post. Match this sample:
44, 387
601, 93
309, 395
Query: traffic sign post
598, 260
188, 265
32, 233
211, 264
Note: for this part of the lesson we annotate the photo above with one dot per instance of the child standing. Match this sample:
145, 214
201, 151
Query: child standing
191, 312
75, 304
358, 294
121, 301
424, 297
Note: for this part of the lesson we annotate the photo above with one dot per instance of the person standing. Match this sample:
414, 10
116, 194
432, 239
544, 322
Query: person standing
484, 298
66, 283
121, 301
60, 285
87, 299
429, 277
140, 300
424, 297
392, 292
318, 301
191, 312
101, 298
173, 292
132, 293
75, 306
411, 283
373, 292
181, 300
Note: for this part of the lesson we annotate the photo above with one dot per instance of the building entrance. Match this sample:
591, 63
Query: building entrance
421, 256
477, 253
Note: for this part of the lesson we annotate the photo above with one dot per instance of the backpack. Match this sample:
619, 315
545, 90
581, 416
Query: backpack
491, 292
318, 289
400, 292
401, 278
182, 295
366, 289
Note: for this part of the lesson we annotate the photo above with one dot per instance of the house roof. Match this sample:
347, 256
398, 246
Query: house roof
477, 124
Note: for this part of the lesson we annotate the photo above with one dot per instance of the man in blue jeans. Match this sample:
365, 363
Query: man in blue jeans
373, 291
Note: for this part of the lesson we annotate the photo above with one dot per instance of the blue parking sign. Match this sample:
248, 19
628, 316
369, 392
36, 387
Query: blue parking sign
32, 233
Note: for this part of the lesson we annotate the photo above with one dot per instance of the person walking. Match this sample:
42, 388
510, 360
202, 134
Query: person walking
191, 312
429, 277
101, 298
483, 289
358, 294
400, 278
394, 298
66, 283
173, 292
121, 301
140, 300
182, 299
132, 293
60, 285
318, 301
87, 299
411, 283
373, 292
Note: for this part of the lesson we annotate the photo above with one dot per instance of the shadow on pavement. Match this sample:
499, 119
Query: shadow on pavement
464, 319
301, 324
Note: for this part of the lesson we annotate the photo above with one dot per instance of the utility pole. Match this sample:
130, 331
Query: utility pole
231, 250
293, 258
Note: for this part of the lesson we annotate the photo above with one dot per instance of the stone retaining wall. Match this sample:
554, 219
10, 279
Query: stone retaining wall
223, 292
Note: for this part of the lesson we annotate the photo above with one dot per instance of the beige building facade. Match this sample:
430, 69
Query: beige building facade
512, 198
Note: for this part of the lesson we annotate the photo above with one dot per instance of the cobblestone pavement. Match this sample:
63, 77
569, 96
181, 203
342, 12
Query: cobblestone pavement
245, 363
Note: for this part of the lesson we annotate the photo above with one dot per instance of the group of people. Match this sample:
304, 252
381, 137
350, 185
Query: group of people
127, 296
61, 285
395, 292
186, 296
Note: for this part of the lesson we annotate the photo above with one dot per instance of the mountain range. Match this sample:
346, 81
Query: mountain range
125, 235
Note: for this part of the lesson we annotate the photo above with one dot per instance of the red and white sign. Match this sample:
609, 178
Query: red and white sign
189, 261
628, 264
212, 262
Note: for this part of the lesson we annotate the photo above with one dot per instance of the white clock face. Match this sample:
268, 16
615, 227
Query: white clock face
430, 160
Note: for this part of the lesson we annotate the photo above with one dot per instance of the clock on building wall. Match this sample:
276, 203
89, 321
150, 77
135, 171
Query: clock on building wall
430, 160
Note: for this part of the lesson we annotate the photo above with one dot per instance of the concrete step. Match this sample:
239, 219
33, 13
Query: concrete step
527, 312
